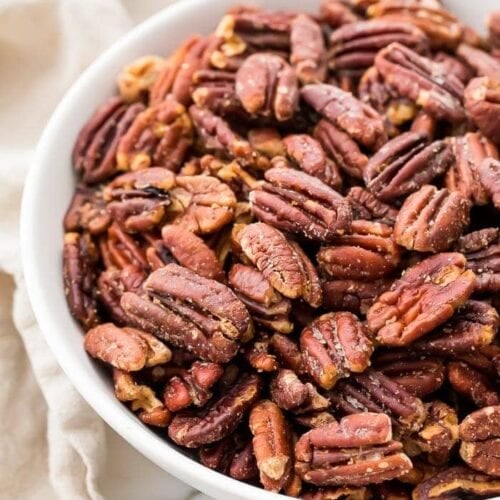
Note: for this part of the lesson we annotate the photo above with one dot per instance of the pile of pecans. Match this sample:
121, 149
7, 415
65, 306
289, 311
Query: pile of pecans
284, 245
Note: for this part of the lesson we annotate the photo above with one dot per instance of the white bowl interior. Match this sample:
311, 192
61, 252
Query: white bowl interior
47, 194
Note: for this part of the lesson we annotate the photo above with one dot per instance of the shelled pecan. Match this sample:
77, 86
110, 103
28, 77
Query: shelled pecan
366, 206
483, 63
489, 175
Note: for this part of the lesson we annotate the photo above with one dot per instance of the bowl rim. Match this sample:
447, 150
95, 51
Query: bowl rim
135, 433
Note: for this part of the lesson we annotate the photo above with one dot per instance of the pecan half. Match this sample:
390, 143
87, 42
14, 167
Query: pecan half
353, 47
375, 392
271, 445
142, 399
288, 353
79, 276
405, 164
464, 176
483, 63
356, 451
94, 153
366, 206
368, 253
489, 175
267, 306
333, 346
423, 81
307, 50
267, 85
257, 354
360, 121
220, 419
480, 435
431, 220
426, 296
482, 102
336, 13
482, 249
159, 135
281, 262
126, 348
298, 203
136, 79
191, 252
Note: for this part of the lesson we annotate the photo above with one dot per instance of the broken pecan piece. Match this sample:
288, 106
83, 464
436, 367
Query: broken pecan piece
489, 175
298, 203
426, 296
333, 346
87, 212
220, 419
404, 164
356, 451
431, 219
480, 435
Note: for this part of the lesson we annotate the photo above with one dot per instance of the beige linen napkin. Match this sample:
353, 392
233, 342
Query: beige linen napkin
52, 443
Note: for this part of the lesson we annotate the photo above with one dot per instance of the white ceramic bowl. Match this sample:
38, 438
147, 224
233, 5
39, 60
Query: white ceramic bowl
46, 197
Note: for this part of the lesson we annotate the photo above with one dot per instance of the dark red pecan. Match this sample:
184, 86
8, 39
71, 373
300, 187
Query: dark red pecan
126, 348
176, 77
192, 386
456, 483
343, 150
216, 135
80, 256
87, 212
307, 50
482, 249
358, 120
271, 445
352, 295
431, 220
306, 152
483, 63
159, 136
94, 153
243, 465
299, 203
356, 451
136, 79
353, 47
141, 398
473, 326
336, 13
473, 384
333, 346
368, 253
489, 175
440, 25
482, 102
464, 176
267, 306
423, 81
426, 296
218, 420
366, 206
419, 375
375, 392
340, 492
282, 262
288, 353
480, 435
267, 85
405, 164
191, 252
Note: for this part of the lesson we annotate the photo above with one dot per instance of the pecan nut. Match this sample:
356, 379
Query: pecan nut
368, 253
405, 164
426, 296
267, 85
431, 219
356, 451
423, 81
489, 175
87, 212
298, 203
336, 13
483, 63
358, 120
94, 153
366, 206
333, 346
480, 435
288, 353
482, 102
258, 356
281, 262
126, 348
